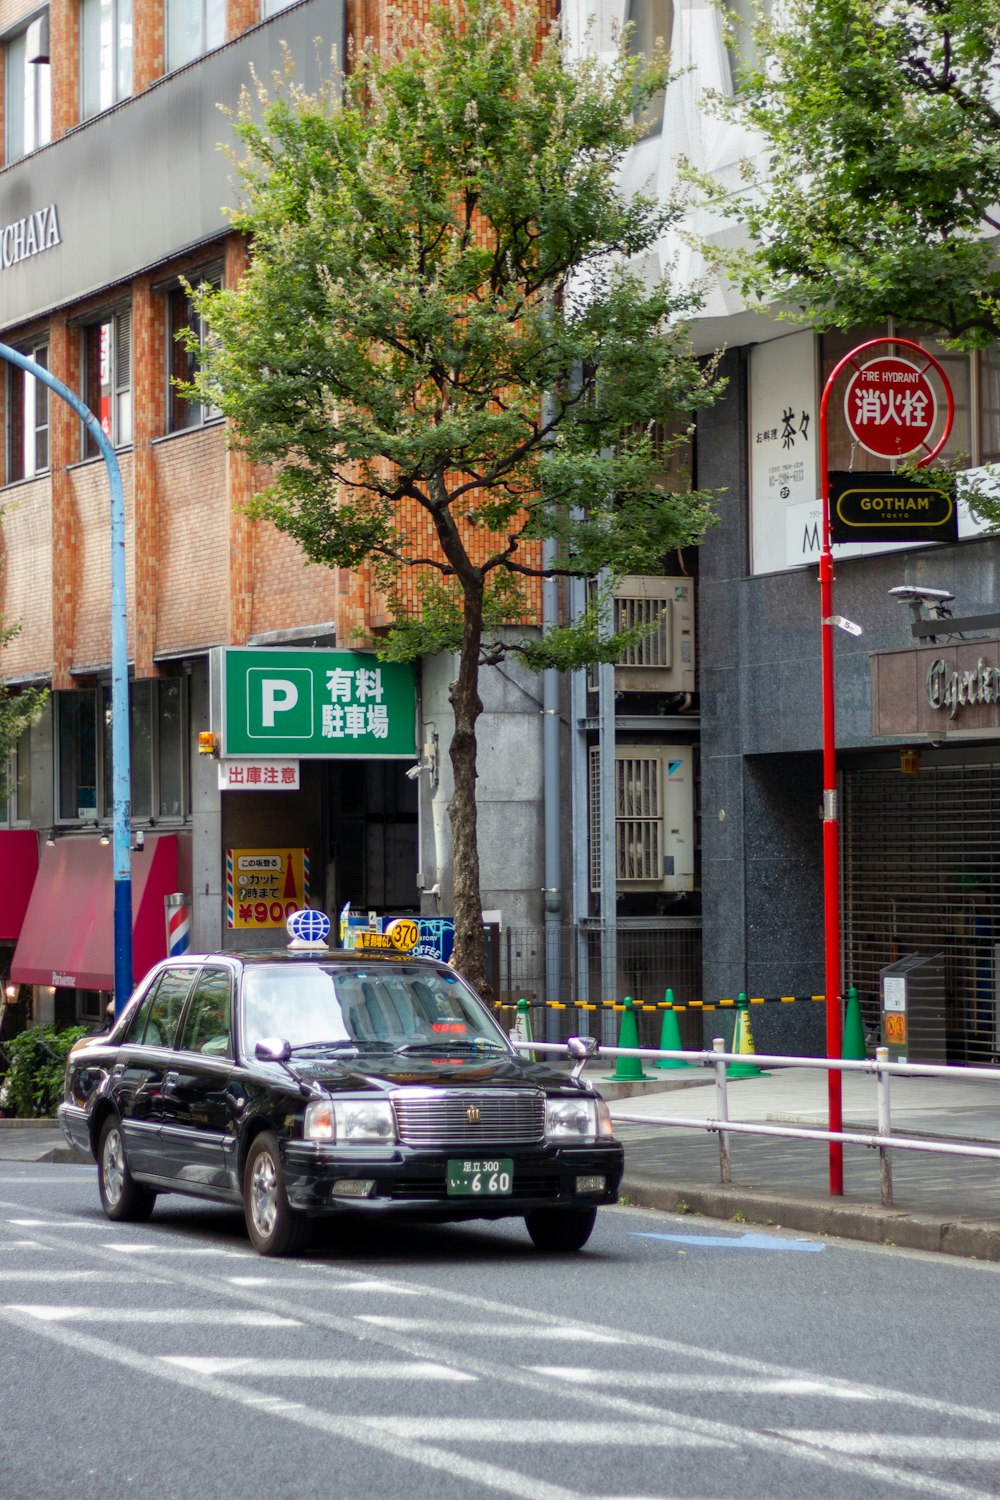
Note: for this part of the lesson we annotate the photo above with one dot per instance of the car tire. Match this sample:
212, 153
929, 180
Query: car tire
122, 1198
274, 1227
560, 1229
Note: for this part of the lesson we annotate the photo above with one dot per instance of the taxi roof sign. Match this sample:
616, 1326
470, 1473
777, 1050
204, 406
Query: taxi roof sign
308, 928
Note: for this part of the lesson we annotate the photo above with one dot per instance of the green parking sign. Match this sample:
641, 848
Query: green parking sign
317, 703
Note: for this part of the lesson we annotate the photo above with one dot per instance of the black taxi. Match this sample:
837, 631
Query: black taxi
311, 1081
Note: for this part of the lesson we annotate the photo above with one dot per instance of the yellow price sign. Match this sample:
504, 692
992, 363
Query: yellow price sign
405, 934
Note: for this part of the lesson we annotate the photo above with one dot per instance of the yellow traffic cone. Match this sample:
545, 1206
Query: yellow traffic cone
743, 1043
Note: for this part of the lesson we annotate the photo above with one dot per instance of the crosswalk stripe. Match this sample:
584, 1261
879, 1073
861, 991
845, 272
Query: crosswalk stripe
900, 1447
317, 1369
317, 1284
492, 1330
653, 1380
481, 1430
211, 1316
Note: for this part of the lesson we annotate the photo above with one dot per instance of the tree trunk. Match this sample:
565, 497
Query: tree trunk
470, 953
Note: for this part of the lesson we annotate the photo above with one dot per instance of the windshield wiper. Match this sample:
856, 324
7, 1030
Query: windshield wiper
446, 1044
341, 1045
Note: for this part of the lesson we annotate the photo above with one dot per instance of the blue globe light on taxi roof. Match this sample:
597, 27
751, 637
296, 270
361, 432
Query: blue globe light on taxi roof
308, 926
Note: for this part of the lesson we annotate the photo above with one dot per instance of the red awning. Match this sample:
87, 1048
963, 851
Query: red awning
18, 868
67, 936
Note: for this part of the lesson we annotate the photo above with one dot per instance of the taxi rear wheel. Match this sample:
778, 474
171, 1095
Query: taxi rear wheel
274, 1227
560, 1229
122, 1197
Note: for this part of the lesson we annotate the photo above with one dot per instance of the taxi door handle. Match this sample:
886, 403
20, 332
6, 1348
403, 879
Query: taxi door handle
169, 1083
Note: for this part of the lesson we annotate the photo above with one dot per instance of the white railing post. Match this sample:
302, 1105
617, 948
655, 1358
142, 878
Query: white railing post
884, 1124
722, 1110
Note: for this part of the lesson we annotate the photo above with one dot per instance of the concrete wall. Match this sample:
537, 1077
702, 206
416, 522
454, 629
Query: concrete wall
511, 852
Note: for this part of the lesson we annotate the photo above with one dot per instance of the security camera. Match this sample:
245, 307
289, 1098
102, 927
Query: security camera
911, 591
414, 771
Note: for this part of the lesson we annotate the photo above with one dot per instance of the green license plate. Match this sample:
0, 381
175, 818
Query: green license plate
491, 1177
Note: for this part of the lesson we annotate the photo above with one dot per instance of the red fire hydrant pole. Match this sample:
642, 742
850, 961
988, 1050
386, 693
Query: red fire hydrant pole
831, 825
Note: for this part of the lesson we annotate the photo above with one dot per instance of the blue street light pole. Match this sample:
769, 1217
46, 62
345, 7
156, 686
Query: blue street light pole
121, 775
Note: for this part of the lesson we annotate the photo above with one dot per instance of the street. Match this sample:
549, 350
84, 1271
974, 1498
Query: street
676, 1356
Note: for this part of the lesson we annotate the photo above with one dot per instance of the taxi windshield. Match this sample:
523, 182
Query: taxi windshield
335, 1008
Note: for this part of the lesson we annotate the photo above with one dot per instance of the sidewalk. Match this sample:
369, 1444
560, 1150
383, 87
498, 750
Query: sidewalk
940, 1202
944, 1203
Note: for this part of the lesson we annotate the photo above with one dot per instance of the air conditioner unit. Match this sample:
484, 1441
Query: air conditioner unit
654, 818
662, 660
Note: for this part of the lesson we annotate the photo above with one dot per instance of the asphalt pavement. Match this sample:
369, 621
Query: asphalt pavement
940, 1202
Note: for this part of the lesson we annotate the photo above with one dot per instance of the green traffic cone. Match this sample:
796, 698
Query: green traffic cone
522, 1027
743, 1043
670, 1036
853, 1049
627, 1069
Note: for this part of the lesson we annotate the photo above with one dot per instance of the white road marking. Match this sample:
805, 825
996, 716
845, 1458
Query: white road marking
210, 1316
477, 1471
635, 1435
568, 1332
316, 1284
213, 1251
318, 1369
58, 1223
902, 1447
703, 1384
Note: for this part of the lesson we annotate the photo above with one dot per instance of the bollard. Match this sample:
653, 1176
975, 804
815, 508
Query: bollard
743, 1043
628, 1069
670, 1036
884, 1126
722, 1111
853, 1049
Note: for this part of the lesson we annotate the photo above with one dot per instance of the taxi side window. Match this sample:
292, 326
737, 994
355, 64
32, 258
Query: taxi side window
165, 1006
207, 1027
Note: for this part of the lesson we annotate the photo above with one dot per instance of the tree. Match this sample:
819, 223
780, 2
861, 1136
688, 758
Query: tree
878, 197
441, 349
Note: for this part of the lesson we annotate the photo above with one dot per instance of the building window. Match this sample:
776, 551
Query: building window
105, 54
107, 379
157, 752
650, 21
739, 18
184, 363
15, 785
194, 27
272, 7
28, 89
27, 418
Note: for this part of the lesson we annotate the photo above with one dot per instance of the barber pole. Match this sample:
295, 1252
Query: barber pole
178, 912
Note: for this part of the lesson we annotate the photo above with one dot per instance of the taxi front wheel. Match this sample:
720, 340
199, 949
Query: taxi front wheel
274, 1227
560, 1229
121, 1196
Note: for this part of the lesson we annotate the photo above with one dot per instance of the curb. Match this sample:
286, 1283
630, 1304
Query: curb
975, 1239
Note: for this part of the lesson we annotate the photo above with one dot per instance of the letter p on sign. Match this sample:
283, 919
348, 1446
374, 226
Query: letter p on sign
277, 695
280, 706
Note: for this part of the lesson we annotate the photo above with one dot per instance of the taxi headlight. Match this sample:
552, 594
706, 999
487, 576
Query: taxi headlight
346, 1120
571, 1119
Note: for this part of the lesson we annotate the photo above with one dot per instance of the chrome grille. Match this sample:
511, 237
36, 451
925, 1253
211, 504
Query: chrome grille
448, 1117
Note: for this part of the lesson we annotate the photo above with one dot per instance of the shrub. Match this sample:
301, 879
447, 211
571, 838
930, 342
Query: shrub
36, 1066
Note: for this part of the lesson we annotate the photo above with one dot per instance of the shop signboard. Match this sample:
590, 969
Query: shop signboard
264, 886
878, 507
299, 703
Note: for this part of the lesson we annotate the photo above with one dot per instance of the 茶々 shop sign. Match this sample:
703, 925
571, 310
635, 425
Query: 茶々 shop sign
301, 703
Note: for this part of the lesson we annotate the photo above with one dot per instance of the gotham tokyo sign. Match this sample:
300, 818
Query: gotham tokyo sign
29, 236
889, 508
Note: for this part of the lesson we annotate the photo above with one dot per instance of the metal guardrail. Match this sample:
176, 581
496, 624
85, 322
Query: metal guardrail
883, 1140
